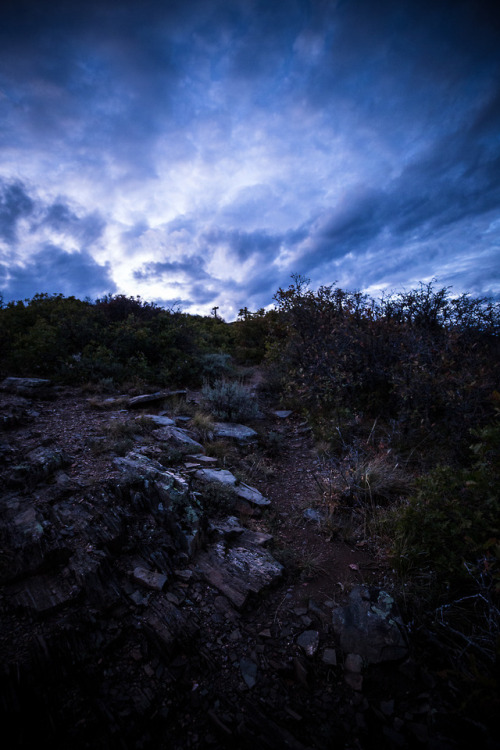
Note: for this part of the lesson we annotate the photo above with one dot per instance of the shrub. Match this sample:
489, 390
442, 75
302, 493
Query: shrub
215, 366
217, 499
230, 401
453, 519
203, 425
419, 357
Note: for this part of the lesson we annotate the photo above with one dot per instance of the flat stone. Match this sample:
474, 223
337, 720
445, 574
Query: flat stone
309, 642
177, 435
330, 657
216, 475
238, 432
251, 495
202, 459
148, 398
282, 413
353, 663
162, 421
238, 572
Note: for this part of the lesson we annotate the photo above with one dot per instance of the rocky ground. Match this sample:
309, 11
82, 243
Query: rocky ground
145, 605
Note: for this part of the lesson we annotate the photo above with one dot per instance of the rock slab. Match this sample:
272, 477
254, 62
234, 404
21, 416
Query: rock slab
238, 572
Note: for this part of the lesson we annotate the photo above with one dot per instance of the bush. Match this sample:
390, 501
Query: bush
217, 499
215, 366
230, 401
420, 357
453, 520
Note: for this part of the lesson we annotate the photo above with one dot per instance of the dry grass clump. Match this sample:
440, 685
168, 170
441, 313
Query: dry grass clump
203, 425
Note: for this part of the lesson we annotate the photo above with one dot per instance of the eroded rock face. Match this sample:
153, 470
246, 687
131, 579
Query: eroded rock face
370, 625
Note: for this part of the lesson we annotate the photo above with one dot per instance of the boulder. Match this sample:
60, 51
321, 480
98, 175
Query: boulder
179, 436
138, 467
238, 572
370, 625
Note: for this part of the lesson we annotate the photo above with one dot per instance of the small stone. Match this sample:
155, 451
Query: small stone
355, 681
184, 575
353, 663
330, 657
149, 578
311, 514
309, 642
387, 707
249, 672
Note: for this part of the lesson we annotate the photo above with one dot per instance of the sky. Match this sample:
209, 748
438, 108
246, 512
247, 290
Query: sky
197, 153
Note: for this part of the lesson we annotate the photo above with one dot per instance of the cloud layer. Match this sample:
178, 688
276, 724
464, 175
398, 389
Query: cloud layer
201, 153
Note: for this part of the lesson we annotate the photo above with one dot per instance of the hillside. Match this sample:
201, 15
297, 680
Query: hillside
301, 553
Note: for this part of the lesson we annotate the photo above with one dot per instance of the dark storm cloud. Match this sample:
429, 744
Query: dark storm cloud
88, 229
53, 270
456, 180
15, 204
192, 265
244, 245
26, 220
